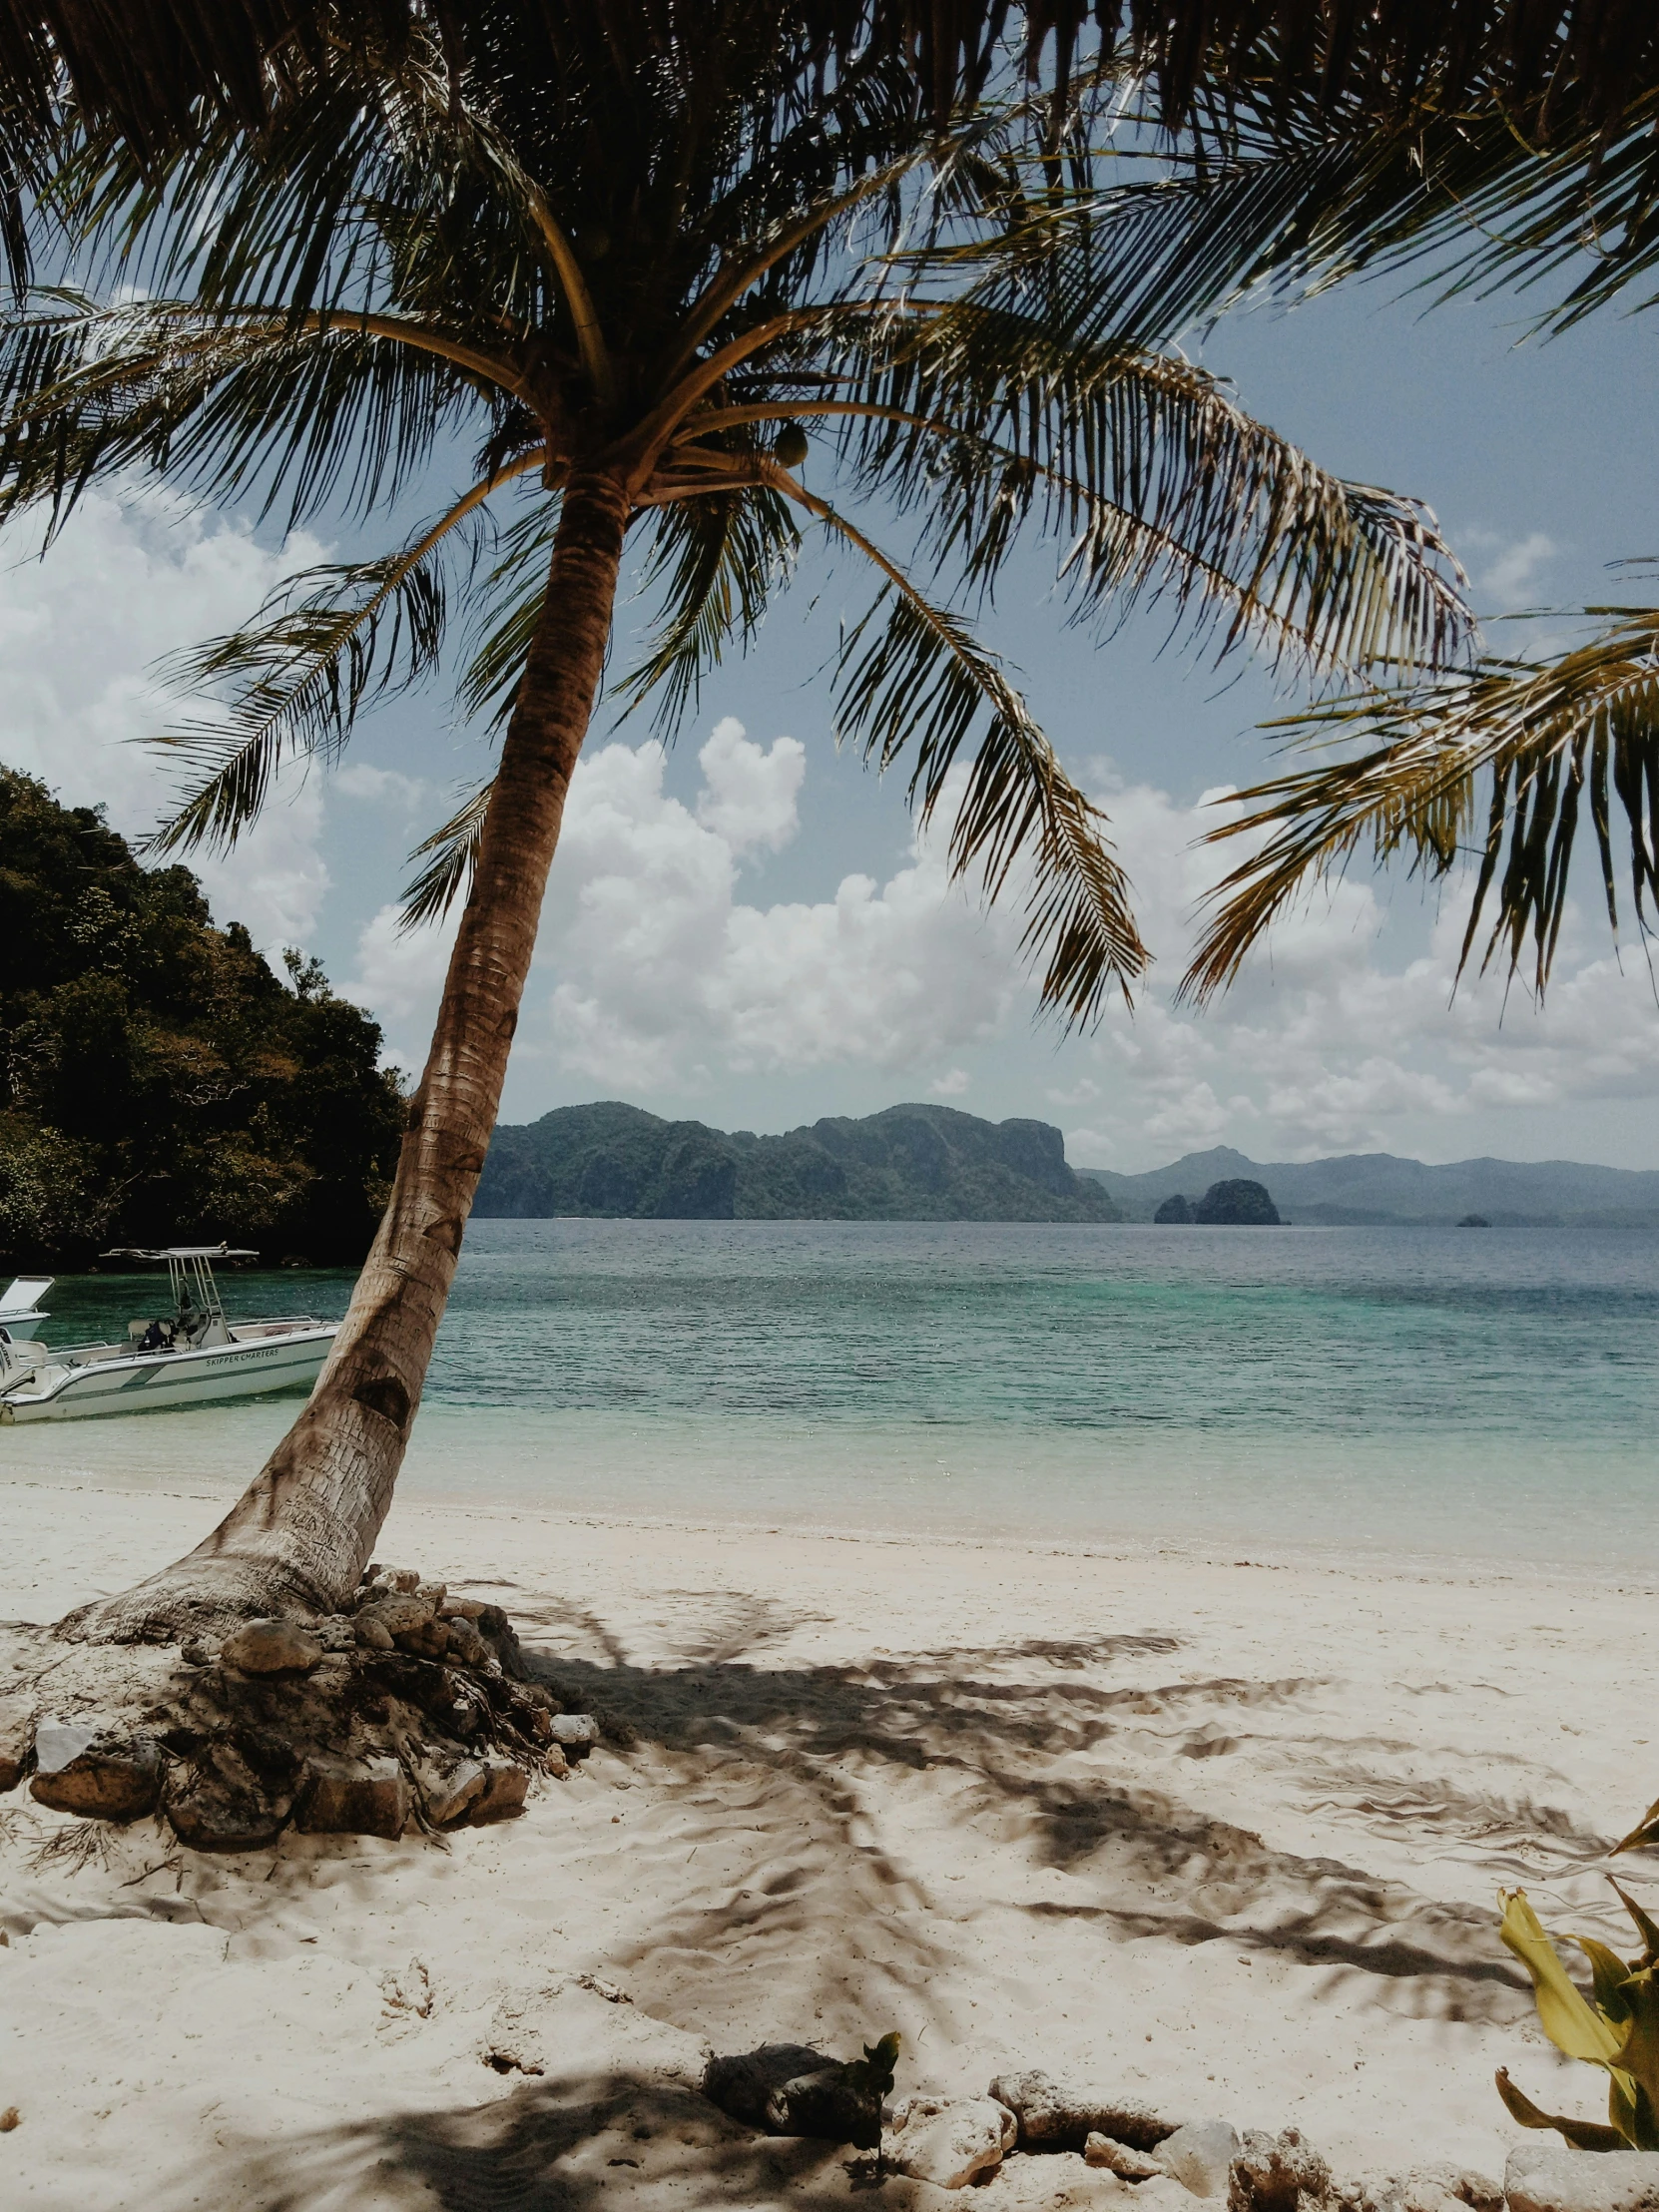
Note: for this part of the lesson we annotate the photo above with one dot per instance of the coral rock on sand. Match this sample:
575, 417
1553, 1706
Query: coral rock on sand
1118, 2158
411, 1623
502, 1797
1279, 2173
1199, 2156
1054, 2117
1543, 2177
948, 2143
100, 1777
272, 1647
463, 1642
450, 1787
1423, 2189
344, 1797
575, 1733
17, 1738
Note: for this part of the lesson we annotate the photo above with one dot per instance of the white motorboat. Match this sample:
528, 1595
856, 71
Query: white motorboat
20, 1314
191, 1355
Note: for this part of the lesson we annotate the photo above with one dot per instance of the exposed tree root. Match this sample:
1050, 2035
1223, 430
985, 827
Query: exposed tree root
202, 1596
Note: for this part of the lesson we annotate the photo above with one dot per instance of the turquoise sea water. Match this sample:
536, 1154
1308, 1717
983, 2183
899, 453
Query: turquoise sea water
1478, 1394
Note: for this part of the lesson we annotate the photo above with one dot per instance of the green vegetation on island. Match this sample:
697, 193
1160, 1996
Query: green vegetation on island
158, 1082
909, 1163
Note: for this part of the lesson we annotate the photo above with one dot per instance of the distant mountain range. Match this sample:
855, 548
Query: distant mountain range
910, 1163
931, 1163
1366, 1187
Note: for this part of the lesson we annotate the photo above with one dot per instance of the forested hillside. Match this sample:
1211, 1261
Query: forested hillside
910, 1163
158, 1082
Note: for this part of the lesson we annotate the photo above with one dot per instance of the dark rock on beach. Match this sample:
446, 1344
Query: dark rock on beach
108, 1780
792, 2089
344, 1797
220, 1804
502, 1797
744, 2083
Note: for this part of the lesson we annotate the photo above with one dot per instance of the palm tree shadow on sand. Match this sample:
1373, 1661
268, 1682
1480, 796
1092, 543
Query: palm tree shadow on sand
562, 2145
810, 1767
1036, 1764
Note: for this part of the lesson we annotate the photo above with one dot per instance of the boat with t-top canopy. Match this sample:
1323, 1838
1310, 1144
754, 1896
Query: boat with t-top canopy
191, 1355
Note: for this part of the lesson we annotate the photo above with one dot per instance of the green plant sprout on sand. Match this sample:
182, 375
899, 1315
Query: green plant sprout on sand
1619, 2030
877, 2068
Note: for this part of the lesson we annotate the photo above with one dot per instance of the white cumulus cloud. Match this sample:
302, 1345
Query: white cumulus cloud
749, 798
133, 578
1336, 1037
661, 974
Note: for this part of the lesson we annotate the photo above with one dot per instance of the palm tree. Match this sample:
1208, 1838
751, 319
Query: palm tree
649, 275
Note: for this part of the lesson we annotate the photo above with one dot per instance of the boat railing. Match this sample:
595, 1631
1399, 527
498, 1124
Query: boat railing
81, 1356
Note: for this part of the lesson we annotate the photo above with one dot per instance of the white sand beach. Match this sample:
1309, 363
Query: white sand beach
1219, 1836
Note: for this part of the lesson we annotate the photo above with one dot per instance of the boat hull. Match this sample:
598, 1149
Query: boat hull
144, 1382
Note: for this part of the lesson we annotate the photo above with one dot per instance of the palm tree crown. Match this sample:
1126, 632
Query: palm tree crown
692, 277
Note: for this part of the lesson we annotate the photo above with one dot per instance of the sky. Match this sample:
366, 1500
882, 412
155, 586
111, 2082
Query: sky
747, 929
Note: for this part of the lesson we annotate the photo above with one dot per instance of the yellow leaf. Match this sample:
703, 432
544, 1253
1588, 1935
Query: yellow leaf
1645, 1832
1583, 2134
1639, 2056
1611, 1973
1570, 2022
1644, 1927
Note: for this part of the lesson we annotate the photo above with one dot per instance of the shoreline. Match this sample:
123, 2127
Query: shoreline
1264, 1556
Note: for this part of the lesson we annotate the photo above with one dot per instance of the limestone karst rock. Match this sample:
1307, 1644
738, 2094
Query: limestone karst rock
1238, 1203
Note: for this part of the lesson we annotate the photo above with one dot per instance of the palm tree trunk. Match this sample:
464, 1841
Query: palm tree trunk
300, 1535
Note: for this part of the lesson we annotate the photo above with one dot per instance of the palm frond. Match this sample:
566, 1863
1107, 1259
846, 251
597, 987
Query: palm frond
227, 407
173, 61
453, 850
714, 563
1544, 740
1158, 485
508, 607
910, 680
321, 647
